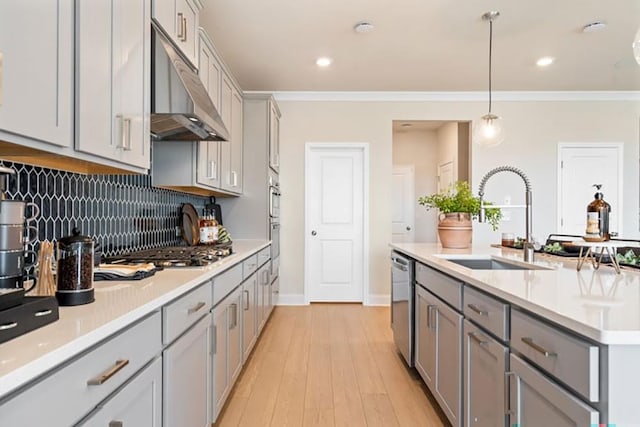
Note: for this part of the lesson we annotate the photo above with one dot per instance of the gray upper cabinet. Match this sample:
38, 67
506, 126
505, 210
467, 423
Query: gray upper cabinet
231, 151
36, 71
537, 401
113, 80
180, 20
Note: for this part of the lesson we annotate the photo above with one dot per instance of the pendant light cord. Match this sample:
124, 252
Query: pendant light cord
490, 49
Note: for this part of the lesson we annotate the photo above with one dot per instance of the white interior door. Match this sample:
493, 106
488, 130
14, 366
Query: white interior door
335, 222
581, 166
403, 204
445, 176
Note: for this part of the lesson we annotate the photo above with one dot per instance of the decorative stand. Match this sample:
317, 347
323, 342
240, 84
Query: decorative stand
596, 250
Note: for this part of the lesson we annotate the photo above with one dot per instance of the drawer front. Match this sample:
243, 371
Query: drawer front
487, 312
249, 266
185, 311
570, 359
445, 287
226, 282
72, 391
264, 255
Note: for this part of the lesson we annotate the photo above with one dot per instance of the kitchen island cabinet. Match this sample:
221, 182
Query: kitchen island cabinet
572, 360
114, 341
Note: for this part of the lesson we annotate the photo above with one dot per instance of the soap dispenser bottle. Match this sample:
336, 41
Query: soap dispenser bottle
598, 218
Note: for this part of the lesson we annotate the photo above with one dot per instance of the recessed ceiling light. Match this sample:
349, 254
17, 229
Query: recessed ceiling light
323, 62
406, 125
592, 27
363, 27
545, 61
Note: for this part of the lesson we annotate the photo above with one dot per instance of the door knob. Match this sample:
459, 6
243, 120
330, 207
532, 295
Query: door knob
408, 228
313, 232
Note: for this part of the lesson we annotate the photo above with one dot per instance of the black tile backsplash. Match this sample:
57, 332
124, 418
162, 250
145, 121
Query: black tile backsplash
122, 212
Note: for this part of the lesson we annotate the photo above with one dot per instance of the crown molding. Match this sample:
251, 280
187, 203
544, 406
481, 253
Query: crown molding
509, 96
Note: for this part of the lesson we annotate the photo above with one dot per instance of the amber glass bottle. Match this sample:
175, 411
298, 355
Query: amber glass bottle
598, 217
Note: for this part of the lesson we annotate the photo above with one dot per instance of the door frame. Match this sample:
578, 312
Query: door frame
364, 148
412, 170
620, 148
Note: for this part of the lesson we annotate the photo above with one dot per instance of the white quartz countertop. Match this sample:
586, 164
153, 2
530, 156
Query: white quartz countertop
599, 304
116, 305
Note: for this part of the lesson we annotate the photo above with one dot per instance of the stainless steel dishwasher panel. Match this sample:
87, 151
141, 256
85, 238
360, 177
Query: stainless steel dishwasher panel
402, 304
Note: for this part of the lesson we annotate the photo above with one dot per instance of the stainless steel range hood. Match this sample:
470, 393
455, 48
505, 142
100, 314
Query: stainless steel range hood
181, 109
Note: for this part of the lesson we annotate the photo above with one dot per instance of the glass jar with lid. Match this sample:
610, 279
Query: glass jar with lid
74, 272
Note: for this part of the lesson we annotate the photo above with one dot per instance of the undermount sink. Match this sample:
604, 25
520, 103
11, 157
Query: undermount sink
486, 263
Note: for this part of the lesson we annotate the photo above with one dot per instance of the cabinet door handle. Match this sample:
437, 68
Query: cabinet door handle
507, 406
477, 339
475, 308
265, 277
184, 31
246, 306
43, 313
214, 339
212, 170
197, 307
105, 376
8, 326
429, 314
543, 351
180, 25
126, 139
234, 316
234, 179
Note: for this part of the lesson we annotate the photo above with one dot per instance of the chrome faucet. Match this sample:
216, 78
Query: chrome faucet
528, 242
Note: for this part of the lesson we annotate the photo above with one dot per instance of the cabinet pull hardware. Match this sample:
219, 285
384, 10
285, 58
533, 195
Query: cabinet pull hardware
214, 340
246, 307
234, 180
265, 277
116, 424
197, 307
104, 377
507, 409
212, 170
510, 411
543, 351
477, 339
429, 314
180, 25
477, 310
184, 32
8, 326
126, 138
43, 313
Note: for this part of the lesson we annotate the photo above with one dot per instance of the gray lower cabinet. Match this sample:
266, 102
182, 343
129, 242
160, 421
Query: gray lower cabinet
186, 377
249, 315
227, 354
264, 295
439, 351
138, 403
537, 401
485, 361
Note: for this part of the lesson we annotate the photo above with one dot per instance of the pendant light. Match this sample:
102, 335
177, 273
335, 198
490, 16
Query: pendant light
488, 131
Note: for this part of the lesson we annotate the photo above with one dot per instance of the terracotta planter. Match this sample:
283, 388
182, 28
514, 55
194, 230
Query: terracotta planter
455, 230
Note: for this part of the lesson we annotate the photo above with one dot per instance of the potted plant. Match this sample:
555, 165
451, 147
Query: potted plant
458, 206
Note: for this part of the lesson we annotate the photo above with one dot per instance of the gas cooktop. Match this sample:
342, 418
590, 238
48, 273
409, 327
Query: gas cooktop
175, 256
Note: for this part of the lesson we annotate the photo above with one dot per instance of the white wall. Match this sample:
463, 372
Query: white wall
418, 149
533, 132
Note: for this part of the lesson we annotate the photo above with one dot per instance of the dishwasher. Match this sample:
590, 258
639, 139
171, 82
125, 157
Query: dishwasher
402, 306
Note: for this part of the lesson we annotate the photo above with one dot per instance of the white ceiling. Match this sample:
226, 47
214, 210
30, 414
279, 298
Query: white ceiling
425, 45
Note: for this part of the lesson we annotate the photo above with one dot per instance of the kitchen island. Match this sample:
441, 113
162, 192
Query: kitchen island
138, 317
588, 317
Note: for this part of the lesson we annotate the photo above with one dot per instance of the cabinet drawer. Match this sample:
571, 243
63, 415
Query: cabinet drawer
445, 287
185, 311
226, 282
264, 255
487, 312
571, 359
72, 391
249, 266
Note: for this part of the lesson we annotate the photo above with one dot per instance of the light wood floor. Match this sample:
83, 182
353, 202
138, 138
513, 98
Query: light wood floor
328, 365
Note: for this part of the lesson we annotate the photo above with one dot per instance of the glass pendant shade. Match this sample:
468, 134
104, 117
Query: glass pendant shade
488, 131
636, 47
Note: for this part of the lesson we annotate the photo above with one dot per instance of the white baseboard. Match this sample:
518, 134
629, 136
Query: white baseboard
291, 299
379, 299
